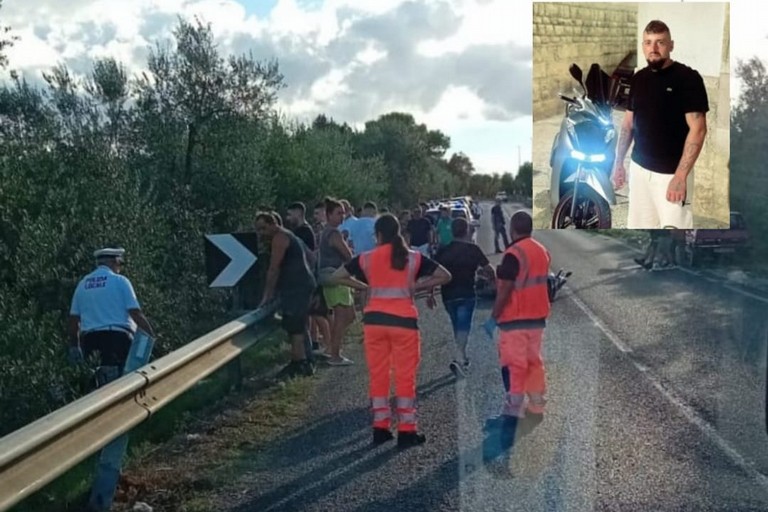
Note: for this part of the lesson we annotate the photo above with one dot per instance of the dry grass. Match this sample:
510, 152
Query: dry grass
179, 475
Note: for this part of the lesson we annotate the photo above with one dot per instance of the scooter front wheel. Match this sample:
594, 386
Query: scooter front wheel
592, 212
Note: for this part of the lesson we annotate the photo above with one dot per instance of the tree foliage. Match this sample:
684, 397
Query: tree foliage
749, 153
152, 163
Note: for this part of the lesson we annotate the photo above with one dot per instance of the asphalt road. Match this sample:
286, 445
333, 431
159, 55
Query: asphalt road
655, 403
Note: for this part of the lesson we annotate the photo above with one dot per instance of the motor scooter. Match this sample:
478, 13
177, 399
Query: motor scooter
582, 156
486, 289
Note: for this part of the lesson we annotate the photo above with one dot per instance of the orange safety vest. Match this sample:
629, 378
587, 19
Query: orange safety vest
389, 290
530, 296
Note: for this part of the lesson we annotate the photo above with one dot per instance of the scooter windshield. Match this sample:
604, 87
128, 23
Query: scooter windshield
598, 86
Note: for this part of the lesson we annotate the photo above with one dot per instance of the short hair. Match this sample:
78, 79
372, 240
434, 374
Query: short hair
331, 204
522, 223
298, 205
459, 227
346, 204
266, 217
656, 27
370, 205
278, 218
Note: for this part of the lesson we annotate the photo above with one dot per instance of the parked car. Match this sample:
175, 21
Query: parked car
502, 195
691, 245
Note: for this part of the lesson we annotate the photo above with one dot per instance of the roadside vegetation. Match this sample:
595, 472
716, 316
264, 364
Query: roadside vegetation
195, 145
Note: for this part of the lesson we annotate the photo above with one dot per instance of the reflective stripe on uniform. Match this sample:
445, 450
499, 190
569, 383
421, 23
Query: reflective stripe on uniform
379, 402
405, 403
406, 411
391, 292
381, 411
513, 404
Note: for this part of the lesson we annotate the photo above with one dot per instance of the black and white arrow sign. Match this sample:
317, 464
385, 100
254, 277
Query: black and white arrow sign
228, 257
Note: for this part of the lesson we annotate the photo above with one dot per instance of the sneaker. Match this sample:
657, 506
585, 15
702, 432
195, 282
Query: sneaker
408, 439
466, 365
382, 435
456, 369
341, 362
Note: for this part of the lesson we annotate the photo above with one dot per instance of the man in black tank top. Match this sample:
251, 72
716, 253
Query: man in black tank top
289, 278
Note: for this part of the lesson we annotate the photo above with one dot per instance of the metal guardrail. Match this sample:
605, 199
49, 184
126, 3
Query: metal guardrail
38, 453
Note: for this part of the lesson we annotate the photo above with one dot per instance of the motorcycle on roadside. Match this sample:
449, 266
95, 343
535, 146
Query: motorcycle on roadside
582, 156
486, 289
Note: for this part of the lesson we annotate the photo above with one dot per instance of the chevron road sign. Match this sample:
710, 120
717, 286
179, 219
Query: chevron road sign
229, 257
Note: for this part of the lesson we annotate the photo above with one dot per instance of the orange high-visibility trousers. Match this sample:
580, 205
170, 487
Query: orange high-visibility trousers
520, 353
399, 350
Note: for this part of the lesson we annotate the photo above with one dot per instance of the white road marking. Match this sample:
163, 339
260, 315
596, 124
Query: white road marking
688, 413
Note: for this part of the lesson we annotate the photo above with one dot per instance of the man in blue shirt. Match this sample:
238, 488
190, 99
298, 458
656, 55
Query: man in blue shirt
362, 232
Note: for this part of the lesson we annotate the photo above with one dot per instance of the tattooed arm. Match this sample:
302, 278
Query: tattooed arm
622, 147
697, 130
625, 138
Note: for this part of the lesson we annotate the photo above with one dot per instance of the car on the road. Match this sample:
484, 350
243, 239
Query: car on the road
502, 196
693, 244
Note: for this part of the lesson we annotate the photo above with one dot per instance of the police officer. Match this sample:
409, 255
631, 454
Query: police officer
104, 315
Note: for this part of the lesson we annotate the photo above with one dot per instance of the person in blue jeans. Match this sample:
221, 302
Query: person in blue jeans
462, 259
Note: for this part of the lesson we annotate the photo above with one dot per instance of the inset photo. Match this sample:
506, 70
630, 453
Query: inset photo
631, 115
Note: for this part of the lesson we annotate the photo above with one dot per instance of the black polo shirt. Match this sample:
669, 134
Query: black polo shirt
659, 101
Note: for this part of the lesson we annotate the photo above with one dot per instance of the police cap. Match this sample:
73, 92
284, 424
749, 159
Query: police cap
109, 252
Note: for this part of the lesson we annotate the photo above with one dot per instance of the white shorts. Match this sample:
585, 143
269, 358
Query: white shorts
648, 205
423, 249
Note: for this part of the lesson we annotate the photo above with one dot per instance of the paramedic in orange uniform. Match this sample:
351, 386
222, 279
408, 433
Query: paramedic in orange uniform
521, 309
389, 273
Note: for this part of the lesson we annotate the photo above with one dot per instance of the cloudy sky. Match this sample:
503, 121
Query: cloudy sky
461, 66
749, 37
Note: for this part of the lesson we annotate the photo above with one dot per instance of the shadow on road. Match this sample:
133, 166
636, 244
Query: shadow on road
295, 495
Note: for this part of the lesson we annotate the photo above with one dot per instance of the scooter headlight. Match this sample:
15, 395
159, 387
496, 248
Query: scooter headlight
583, 157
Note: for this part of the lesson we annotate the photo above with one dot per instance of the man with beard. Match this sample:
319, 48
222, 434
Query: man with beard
666, 118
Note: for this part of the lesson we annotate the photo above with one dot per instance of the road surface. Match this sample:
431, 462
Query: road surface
656, 382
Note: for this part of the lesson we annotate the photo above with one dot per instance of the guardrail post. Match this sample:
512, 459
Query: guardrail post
235, 371
111, 457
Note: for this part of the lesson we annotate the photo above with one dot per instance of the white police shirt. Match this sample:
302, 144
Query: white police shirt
102, 299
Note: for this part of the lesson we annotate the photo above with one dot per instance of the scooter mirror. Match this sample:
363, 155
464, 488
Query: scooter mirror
578, 75
576, 72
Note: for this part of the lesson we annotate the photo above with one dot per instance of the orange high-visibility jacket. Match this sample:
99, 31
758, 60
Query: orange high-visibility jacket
530, 297
389, 290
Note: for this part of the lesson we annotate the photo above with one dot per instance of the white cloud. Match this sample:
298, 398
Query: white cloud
449, 62
456, 105
749, 38
491, 22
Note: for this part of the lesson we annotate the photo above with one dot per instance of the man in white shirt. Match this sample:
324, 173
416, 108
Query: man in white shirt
105, 313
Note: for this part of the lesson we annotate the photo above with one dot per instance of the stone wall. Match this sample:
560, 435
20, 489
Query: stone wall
564, 33
711, 198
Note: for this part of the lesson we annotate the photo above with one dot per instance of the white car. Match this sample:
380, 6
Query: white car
501, 195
